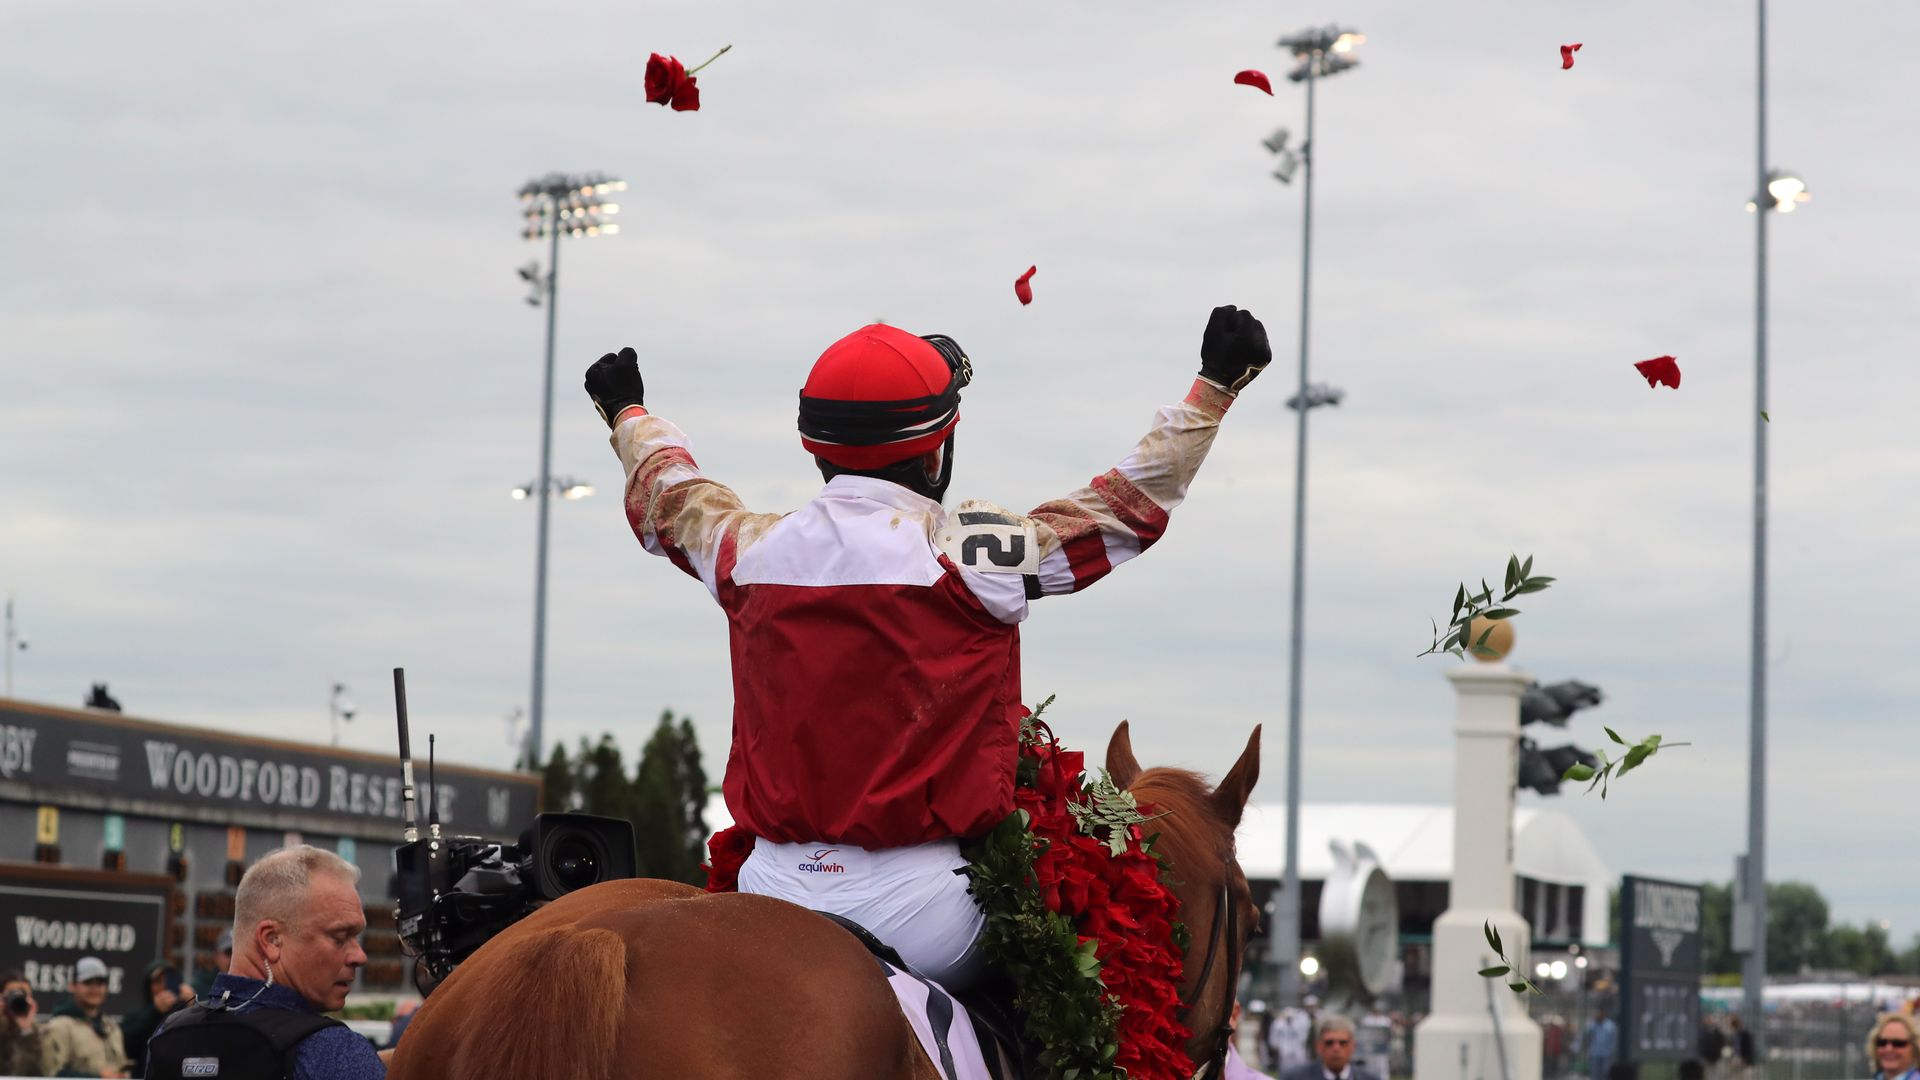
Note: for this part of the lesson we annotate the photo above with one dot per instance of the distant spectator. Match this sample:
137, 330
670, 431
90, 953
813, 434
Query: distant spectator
1333, 1044
85, 1041
23, 1046
1891, 1048
1742, 1042
1234, 1068
222, 963
1602, 1043
402, 1016
1693, 1069
165, 995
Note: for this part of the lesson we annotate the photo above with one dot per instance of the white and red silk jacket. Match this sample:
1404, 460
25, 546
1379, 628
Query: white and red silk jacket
875, 636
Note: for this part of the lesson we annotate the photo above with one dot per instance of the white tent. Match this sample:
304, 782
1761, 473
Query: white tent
1415, 843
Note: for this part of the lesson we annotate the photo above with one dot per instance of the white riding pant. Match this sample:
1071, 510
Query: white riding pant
911, 898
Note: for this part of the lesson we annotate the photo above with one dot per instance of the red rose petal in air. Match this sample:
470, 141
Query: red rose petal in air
1022, 288
1255, 79
1566, 55
1660, 369
686, 96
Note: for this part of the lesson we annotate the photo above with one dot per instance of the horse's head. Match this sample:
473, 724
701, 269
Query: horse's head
1196, 836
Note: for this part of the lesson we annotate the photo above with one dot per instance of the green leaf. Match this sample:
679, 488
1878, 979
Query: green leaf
1614, 735
1493, 938
1496, 970
1543, 582
1484, 635
1632, 761
1528, 587
1513, 571
1764, 416
1483, 650
1500, 613
1526, 568
1459, 598
1651, 742
1517, 987
1577, 772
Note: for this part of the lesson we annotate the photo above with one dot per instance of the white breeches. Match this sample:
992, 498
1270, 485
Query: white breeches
911, 898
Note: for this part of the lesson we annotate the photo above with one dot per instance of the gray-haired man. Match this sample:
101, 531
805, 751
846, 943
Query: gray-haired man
1333, 1045
297, 922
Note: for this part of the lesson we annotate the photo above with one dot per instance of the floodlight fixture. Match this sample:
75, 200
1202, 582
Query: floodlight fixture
564, 486
1785, 190
1276, 143
1317, 394
1322, 51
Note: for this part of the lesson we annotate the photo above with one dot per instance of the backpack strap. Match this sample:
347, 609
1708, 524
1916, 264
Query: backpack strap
286, 1030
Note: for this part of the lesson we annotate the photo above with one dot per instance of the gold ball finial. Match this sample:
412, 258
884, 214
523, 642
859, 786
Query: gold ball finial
1500, 641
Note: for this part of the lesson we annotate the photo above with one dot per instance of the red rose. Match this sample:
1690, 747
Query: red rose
668, 83
728, 849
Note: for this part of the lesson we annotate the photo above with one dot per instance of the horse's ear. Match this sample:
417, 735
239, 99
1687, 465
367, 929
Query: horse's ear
1231, 796
1122, 766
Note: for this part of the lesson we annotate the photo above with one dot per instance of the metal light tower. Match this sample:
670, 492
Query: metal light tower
557, 204
1781, 191
1321, 52
338, 709
14, 642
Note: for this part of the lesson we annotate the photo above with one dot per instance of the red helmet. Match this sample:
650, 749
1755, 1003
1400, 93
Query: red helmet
880, 396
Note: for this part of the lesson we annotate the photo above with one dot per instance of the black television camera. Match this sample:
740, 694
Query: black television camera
456, 892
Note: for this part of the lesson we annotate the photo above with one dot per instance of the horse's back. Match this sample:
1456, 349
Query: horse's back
652, 978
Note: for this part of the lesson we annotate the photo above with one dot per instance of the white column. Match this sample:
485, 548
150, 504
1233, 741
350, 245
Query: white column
1457, 1039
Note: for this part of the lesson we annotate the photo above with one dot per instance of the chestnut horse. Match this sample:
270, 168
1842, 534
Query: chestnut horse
645, 978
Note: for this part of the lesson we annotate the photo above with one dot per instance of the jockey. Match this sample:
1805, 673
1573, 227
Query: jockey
874, 635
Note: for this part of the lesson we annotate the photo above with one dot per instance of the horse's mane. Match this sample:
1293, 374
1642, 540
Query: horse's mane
1194, 836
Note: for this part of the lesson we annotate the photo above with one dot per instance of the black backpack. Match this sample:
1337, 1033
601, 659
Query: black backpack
204, 1042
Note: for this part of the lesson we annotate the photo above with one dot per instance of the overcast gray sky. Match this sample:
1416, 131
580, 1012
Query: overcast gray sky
266, 374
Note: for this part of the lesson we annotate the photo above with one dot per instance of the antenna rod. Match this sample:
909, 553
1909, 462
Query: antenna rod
433, 792
406, 755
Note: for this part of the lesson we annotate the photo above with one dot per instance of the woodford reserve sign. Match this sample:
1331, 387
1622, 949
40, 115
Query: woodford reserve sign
65, 757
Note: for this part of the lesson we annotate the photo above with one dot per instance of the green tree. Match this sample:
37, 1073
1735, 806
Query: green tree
600, 776
1716, 929
557, 781
1796, 928
1863, 950
669, 802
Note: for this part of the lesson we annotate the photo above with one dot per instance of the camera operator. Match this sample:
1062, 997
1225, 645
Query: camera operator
297, 921
23, 1045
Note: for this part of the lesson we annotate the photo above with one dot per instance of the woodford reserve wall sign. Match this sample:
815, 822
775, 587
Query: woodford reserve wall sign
141, 767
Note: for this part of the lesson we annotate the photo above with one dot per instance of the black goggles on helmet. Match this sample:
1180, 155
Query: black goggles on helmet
877, 423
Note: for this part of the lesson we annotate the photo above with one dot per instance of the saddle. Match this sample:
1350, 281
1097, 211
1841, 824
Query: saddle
988, 1009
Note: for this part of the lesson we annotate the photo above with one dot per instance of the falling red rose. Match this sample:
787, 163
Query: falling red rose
669, 83
1566, 55
1255, 79
1660, 369
1022, 286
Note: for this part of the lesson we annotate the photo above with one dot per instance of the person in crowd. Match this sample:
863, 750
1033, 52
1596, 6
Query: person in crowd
297, 922
87, 1042
24, 1050
165, 994
402, 1016
222, 963
1742, 1042
1333, 1045
1602, 1043
1893, 1049
1235, 1067
1288, 1036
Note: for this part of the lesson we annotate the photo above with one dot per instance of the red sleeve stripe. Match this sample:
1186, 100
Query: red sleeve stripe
726, 557
1087, 557
665, 512
658, 462
1132, 506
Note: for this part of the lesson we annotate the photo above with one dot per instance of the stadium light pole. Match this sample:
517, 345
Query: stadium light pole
555, 205
1321, 52
1774, 190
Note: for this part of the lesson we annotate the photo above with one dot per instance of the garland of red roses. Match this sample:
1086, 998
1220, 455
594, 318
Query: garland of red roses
1085, 925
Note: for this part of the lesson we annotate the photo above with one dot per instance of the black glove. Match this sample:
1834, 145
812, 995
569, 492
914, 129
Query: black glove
1234, 348
613, 382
